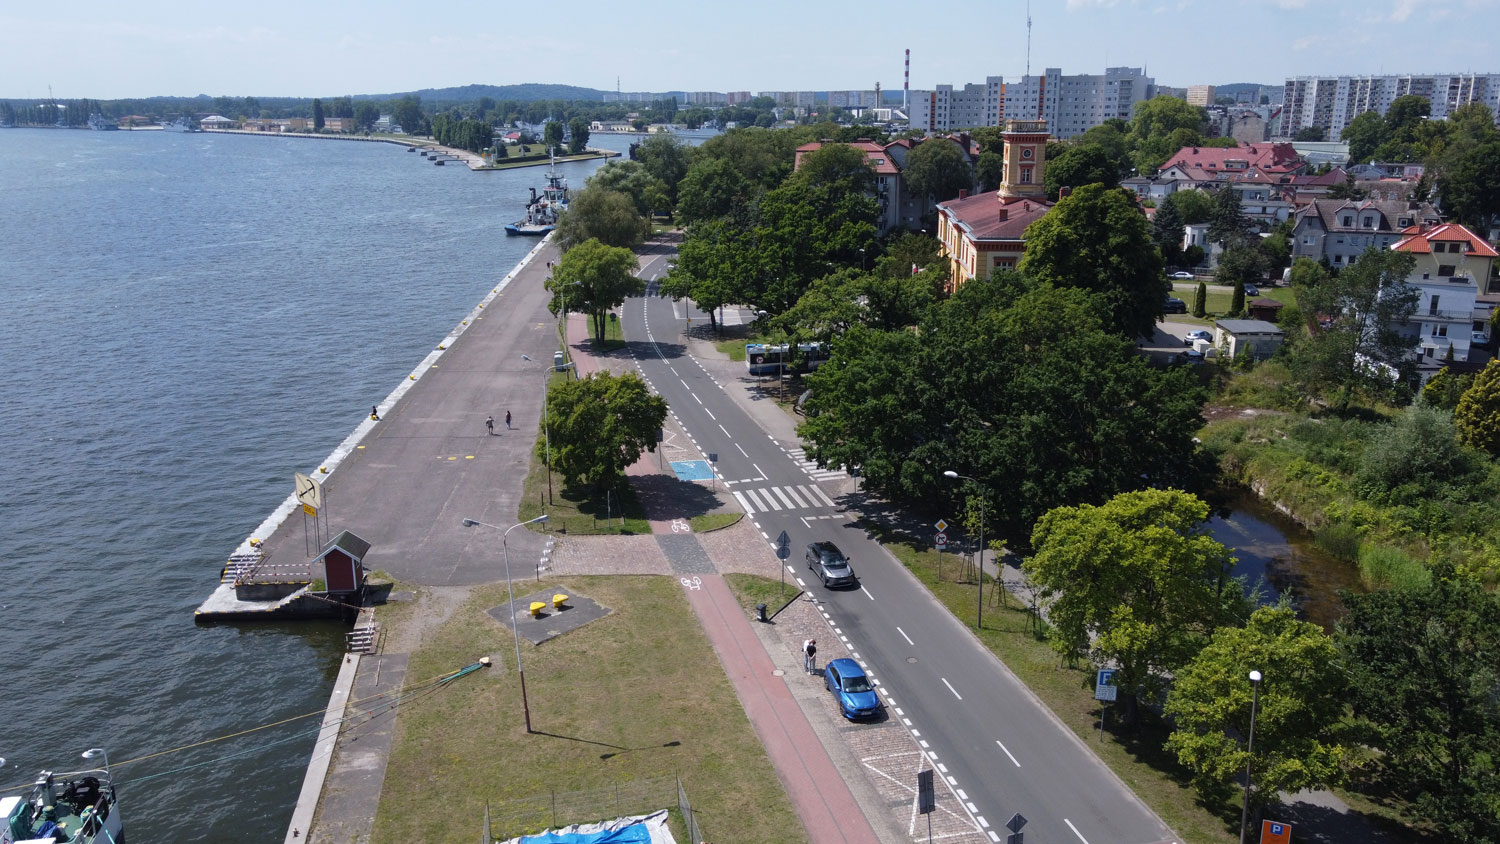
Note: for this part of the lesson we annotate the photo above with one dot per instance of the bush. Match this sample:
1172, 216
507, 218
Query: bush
1340, 540
1384, 567
1413, 457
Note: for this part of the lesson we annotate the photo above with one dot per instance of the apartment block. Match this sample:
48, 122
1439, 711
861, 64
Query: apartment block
1332, 102
1200, 95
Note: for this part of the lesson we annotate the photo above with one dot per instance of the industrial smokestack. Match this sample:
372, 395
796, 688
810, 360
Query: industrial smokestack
906, 85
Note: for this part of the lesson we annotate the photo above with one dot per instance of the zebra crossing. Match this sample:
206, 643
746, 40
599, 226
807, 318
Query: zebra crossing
813, 470
776, 498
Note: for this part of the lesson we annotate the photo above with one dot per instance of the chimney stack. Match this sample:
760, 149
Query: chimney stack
963, 193
1064, 191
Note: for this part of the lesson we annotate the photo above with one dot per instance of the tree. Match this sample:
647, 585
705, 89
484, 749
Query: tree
597, 213
1200, 300
1135, 582
712, 188
990, 170
667, 158
1166, 229
1310, 134
1081, 165
317, 108
1444, 390
938, 169
1098, 240
1227, 220
1364, 134
365, 114
1413, 458
1242, 263
1298, 714
553, 133
407, 113
1424, 665
715, 260
578, 128
595, 278
646, 192
1477, 416
598, 426
1195, 206
1359, 347
1159, 128
1470, 185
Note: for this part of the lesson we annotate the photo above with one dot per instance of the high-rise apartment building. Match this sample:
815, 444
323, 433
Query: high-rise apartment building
1332, 102
1200, 95
1071, 105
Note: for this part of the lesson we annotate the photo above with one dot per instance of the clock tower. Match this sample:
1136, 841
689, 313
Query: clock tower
1025, 160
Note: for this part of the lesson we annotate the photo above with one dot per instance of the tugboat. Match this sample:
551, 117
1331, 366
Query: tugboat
80, 809
542, 211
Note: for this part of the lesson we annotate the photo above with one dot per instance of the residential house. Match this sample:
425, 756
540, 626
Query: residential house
1453, 266
899, 207
986, 231
1221, 164
1339, 230
1256, 337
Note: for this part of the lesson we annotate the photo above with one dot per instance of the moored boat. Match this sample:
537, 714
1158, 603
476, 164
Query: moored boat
543, 210
72, 808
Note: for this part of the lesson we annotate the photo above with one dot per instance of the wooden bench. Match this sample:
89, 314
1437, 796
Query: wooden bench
558, 600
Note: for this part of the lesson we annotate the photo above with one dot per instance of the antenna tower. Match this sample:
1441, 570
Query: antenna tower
1028, 37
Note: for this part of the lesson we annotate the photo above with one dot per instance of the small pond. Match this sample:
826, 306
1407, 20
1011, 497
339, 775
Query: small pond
1272, 547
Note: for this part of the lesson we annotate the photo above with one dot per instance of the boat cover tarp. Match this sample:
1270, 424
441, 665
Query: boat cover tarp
638, 829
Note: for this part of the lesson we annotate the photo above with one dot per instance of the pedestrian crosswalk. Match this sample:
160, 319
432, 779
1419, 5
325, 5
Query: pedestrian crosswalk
816, 472
776, 498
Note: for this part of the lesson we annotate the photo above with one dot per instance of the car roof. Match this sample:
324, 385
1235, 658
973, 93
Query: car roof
846, 667
825, 546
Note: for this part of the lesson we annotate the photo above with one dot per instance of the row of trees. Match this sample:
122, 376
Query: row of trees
472, 135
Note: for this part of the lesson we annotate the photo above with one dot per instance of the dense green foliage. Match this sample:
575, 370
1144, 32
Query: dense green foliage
598, 213
1135, 582
1085, 164
578, 135
595, 278
1477, 415
1298, 716
599, 425
472, 135
938, 170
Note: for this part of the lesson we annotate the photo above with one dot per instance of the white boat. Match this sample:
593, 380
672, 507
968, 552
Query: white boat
181, 124
72, 808
100, 123
542, 211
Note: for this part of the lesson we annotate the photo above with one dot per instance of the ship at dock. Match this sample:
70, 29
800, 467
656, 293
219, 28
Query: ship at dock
543, 210
79, 808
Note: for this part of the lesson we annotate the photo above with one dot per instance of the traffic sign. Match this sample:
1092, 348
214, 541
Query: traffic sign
1275, 832
309, 492
1015, 823
941, 525
941, 540
926, 794
309, 510
783, 546
1104, 686
713, 457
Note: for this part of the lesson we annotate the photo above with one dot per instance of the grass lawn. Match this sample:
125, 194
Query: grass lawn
752, 589
614, 335
1218, 299
1136, 757
713, 521
576, 509
634, 696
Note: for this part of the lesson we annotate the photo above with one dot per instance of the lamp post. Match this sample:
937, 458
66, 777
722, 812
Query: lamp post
1249, 749
99, 751
511, 590
979, 618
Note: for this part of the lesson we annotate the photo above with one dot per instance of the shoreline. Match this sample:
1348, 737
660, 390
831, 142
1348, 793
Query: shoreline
474, 161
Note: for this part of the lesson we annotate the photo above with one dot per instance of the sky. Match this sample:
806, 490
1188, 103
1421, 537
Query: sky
106, 49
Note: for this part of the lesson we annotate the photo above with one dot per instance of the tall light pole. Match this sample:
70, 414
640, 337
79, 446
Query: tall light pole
1249, 749
979, 618
511, 590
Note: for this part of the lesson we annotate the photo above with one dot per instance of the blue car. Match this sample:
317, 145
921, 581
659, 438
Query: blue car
852, 689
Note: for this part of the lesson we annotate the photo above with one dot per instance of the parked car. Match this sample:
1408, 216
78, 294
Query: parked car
829, 564
1252, 290
1173, 305
1195, 335
1181, 275
1480, 338
1190, 356
851, 688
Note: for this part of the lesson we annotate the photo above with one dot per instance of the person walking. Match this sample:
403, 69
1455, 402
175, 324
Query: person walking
489, 424
507, 420
375, 412
810, 654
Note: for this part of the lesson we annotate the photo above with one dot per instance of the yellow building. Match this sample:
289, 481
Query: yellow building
986, 231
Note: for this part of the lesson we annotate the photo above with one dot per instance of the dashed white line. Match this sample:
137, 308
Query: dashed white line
698, 400
867, 593
906, 637
712, 416
721, 427
742, 450
950, 688
1007, 752
1075, 831
759, 471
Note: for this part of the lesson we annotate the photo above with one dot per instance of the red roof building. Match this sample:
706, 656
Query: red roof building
987, 231
1268, 158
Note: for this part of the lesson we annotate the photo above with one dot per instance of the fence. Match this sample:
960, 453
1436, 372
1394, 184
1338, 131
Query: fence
530, 815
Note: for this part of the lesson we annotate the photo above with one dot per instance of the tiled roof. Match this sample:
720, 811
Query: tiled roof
1272, 158
879, 158
986, 217
1420, 242
1329, 212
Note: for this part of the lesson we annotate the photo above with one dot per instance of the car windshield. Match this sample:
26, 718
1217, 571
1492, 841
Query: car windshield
856, 684
832, 562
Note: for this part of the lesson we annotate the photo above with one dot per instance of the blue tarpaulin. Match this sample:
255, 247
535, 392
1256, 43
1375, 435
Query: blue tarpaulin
636, 833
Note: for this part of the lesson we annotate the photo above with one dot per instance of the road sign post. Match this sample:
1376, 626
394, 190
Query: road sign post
1105, 691
926, 798
783, 551
1014, 825
941, 542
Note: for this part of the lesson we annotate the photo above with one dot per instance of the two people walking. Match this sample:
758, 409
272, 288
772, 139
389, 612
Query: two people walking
489, 423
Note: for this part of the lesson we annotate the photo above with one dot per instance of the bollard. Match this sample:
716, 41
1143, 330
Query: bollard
760, 612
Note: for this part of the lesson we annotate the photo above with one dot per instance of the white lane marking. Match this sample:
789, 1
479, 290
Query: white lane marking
722, 428
812, 501
826, 500
971, 806
792, 491
712, 416
982, 822
800, 583
1075, 831
742, 450
898, 629
698, 400
759, 471
867, 593
765, 503
950, 688
1007, 752
685, 386
995, 836
784, 499
740, 498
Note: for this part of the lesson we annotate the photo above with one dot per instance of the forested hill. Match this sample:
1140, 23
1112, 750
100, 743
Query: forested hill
471, 93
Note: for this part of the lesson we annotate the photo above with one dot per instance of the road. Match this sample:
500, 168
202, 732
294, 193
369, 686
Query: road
1000, 749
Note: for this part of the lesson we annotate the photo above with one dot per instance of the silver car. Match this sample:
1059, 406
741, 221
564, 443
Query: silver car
829, 564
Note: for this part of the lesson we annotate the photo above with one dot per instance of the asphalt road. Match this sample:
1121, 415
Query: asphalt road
1000, 749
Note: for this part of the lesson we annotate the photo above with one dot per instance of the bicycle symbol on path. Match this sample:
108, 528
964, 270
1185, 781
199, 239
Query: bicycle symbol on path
693, 583
680, 526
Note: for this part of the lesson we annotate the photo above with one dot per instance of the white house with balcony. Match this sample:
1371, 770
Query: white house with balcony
1452, 263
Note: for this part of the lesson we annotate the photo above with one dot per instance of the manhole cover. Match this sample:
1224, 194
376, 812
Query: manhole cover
778, 673
912, 660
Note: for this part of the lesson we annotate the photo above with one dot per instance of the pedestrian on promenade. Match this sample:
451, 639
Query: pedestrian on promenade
507, 419
810, 653
375, 412
489, 424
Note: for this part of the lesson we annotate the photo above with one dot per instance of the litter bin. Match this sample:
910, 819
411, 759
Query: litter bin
760, 612
557, 361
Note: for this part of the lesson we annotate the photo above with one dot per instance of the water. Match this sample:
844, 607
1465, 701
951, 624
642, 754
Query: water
185, 320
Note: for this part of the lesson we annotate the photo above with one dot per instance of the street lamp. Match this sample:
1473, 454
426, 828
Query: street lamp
511, 589
978, 619
99, 752
1249, 749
